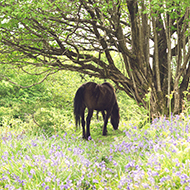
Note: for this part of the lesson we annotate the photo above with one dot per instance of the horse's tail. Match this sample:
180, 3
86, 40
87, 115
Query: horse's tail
78, 101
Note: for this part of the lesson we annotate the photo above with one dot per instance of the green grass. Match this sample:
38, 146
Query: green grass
42, 149
156, 156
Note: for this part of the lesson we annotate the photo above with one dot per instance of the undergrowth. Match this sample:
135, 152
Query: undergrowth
50, 104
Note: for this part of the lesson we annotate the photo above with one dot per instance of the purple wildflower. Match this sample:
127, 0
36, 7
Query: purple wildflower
47, 179
32, 171
95, 181
145, 185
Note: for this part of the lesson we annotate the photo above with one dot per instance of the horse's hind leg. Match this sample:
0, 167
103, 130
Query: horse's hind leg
97, 115
90, 113
83, 124
103, 115
106, 117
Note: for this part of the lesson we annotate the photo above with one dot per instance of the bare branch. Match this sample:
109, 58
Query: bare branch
8, 79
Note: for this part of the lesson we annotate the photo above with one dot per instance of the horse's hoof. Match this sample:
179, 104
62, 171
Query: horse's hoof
87, 138
104, 134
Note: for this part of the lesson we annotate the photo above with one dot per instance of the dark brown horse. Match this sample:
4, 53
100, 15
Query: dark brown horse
96, 97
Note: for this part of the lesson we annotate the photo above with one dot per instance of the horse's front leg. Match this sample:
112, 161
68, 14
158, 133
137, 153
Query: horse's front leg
106, 117
90, 113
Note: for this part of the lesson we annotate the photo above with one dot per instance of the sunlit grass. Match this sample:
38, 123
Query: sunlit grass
155, 156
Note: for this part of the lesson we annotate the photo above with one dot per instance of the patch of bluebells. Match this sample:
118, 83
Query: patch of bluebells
155, 157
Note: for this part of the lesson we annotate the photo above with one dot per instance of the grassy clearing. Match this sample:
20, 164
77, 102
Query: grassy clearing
41, 149
156, 156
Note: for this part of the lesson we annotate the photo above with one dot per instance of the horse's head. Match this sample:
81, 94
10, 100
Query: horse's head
115, 116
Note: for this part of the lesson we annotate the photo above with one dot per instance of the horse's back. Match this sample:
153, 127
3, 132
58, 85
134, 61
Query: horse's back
99, 97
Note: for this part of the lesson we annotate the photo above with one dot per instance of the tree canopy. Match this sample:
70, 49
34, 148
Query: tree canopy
150, 38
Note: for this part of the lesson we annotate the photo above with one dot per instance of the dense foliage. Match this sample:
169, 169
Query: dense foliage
50, 104
136, 44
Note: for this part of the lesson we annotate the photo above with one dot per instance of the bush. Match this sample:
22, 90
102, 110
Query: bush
51, 102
